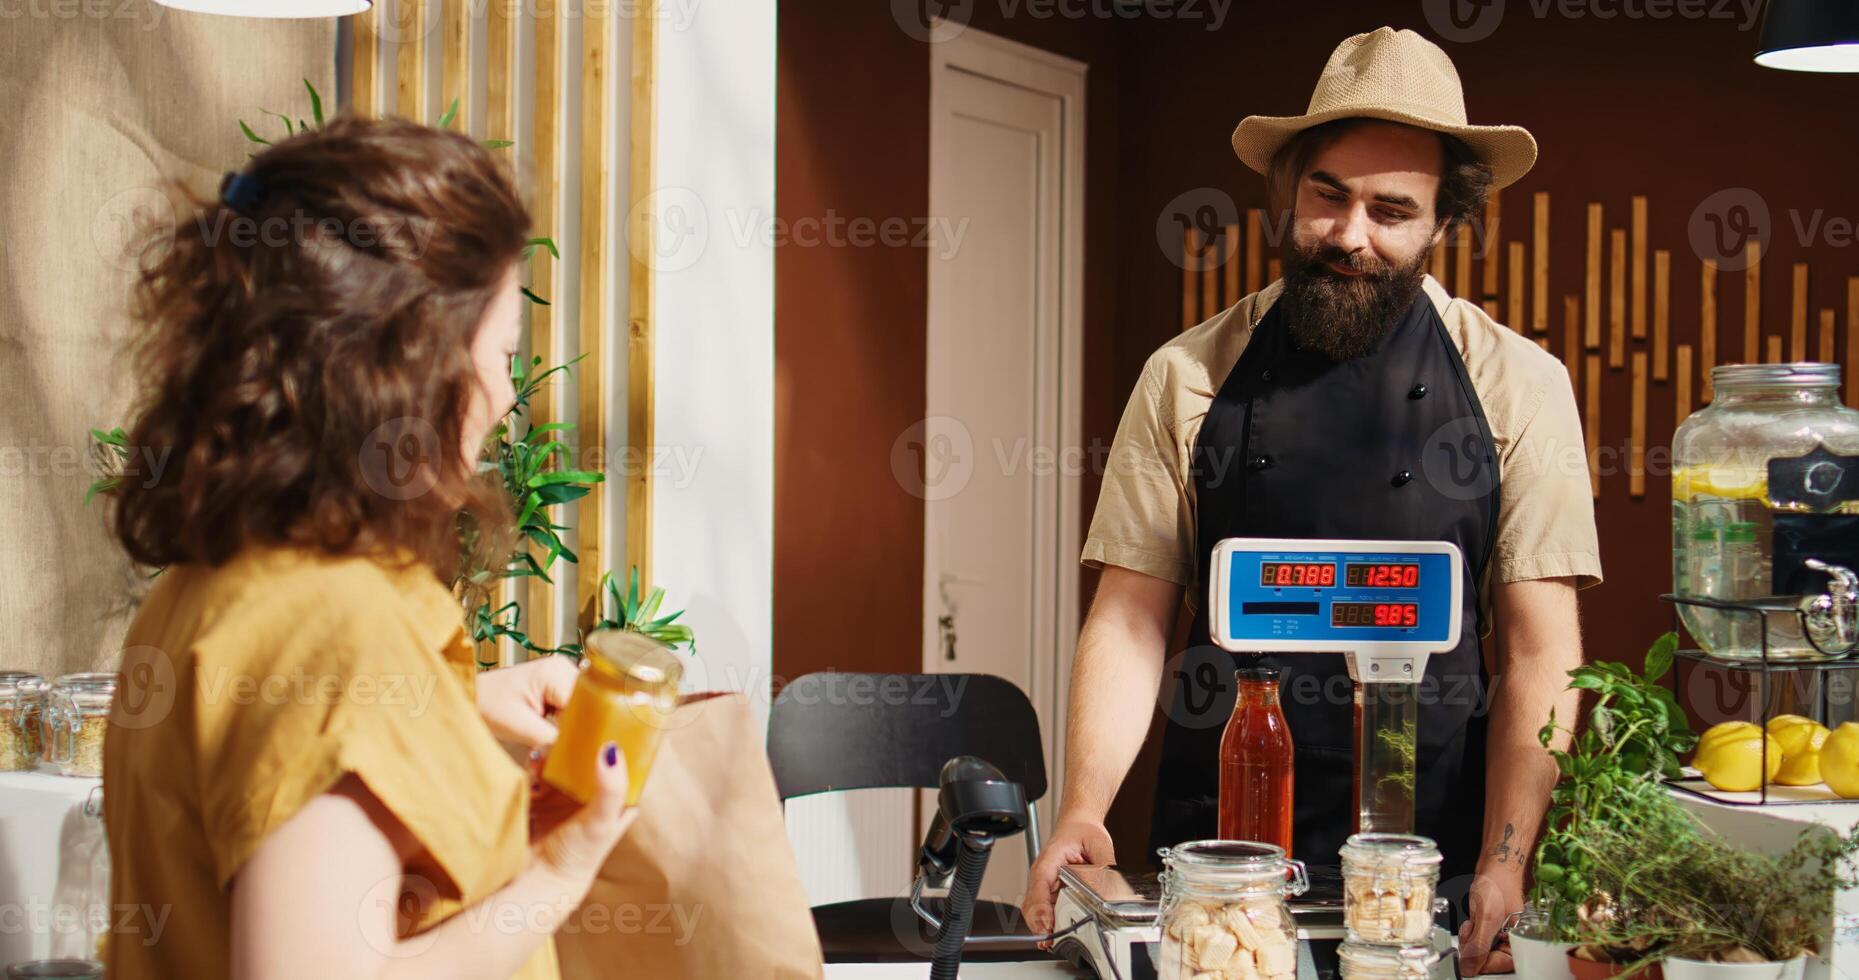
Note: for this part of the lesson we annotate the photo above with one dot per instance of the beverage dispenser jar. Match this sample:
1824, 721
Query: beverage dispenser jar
1765, 512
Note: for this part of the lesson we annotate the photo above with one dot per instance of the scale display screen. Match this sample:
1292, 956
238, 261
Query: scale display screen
1276, 594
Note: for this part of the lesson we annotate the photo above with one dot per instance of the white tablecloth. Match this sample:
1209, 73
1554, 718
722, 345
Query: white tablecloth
54, 867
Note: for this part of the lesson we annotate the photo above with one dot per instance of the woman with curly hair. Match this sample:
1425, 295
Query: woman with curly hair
304, 770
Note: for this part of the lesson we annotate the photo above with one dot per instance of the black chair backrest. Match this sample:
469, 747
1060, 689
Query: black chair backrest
835, 731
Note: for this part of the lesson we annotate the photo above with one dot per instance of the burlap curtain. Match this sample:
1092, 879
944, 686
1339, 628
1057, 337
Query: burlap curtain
100, 100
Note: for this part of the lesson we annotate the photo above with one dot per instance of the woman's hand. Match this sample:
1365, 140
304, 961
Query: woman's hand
577, 848
516, 701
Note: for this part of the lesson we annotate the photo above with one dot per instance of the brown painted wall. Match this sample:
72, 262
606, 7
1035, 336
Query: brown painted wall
1670, 108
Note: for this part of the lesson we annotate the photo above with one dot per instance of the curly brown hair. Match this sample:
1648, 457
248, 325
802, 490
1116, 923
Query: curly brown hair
306, 354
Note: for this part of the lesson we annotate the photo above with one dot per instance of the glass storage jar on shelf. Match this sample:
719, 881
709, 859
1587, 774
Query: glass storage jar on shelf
1765, 510
1364, 961
77, 713
1223, 910
22, 695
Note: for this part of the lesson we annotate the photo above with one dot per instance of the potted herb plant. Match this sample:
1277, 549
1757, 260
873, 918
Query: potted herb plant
1634, 734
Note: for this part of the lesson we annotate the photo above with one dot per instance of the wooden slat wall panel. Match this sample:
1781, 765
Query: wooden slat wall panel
641, 319
1639, 267
1591, 309
596, 174
1617, 299
1591, 419
364, 61
1462, 262
1516, 321
1189, 245
1494, 250
1681, 392
1255, 249
1636, 431
1774, 349
455, 58
1274, 270
1436, 265
1539, 264
1707, 326
1852, 342
1661, 314
410, 59
1571, 338
1210, 271
1797, 315
1231, 265
547, 276
1825, 352
1752, 304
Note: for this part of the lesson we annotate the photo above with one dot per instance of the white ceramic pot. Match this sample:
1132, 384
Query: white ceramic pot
1681, 969
1540, 960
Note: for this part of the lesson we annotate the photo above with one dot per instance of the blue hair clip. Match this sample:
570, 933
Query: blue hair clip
241, 192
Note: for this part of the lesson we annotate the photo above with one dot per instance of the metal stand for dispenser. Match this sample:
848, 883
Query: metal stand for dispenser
1387, 733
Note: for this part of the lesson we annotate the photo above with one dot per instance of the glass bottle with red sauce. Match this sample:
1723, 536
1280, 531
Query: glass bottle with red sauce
1255, 764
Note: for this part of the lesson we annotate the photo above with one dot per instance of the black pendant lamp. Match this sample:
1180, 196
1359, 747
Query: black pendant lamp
1810, 35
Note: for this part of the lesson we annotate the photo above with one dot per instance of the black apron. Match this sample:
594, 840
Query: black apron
1393, 445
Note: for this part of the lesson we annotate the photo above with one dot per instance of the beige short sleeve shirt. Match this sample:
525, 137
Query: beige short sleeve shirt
1145, 518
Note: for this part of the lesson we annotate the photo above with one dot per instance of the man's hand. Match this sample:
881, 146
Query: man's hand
1074, 842
1494, 896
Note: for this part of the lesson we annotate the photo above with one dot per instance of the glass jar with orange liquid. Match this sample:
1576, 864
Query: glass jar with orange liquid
1256, 764
626, 692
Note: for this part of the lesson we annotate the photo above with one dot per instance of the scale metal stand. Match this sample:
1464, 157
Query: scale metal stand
1386, 605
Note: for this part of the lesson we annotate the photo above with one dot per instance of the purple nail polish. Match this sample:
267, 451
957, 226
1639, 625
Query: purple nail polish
613, 755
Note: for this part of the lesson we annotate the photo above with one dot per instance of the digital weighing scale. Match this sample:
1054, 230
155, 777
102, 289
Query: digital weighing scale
1386, 605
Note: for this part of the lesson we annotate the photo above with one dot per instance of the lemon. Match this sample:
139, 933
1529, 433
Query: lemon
1727, 483
1839, 760
1730, 756
1801, 740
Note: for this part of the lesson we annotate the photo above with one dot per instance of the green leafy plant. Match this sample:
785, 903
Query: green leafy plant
1635, 734
630, 612
1662, 885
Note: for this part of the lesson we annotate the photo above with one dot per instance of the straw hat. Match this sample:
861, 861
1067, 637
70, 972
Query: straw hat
1398, 76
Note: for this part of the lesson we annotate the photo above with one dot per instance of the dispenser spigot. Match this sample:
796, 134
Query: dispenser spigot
1831, 618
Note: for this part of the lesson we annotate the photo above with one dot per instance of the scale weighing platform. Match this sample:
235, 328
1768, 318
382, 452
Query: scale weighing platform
1386, 605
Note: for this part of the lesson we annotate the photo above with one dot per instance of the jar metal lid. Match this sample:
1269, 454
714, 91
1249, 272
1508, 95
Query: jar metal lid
1411, 850
636, 656
1236, 859
20, 682
36, 969
1800, 374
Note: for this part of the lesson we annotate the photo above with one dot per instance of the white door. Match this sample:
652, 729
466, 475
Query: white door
1004, 323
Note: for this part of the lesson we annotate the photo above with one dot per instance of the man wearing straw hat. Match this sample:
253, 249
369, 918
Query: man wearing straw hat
1354, 398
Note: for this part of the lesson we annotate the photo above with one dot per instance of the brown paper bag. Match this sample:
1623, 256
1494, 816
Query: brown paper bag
704, 884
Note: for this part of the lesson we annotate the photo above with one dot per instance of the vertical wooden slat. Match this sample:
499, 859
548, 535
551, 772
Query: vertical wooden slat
1189, 242
1542, 342
596, 174
1274, 270
364, 61
1515, 293
1571, 338
1682, 388
1639, 267
410, 60
1494, 251
1539, 265
1210, 277
1825, 355
641, 316
1591, 419
455, 61
500, 72
545, 273
1852, 341
1774, 349
1707, 327
1232, 266
1617, 299
1661, 314
1636, 432
1490, 307
1255, 249
1797, 315
1752, 304
1436, 266
1462, 262
1591, 309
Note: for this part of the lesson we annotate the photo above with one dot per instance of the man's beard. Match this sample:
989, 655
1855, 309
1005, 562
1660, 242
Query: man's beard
1344, 317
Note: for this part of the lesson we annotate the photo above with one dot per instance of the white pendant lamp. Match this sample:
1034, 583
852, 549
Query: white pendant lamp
271, 8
